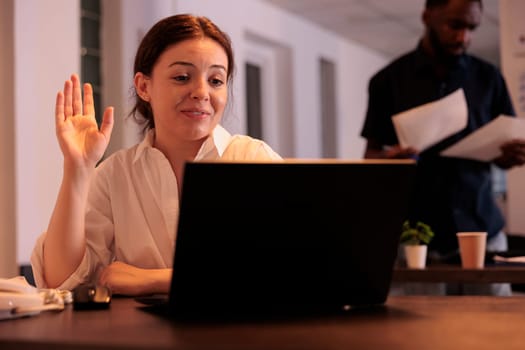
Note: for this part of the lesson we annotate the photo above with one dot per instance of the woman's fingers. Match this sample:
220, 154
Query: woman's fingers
69, 104
71, 99
59, 108
89, 105
107, 123
68, 98
77, 95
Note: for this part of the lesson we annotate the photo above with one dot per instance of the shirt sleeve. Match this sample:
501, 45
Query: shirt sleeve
37, 258
378, 121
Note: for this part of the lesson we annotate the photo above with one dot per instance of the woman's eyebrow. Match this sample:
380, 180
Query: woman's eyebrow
184, 63
181, 63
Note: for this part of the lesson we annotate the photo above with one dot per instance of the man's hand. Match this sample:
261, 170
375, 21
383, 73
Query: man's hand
397, 152
513, 154
376, 150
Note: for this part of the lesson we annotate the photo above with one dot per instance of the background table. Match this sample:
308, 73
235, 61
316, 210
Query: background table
456, 274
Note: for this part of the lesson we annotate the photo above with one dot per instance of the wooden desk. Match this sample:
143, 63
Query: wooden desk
409, 322
456, 274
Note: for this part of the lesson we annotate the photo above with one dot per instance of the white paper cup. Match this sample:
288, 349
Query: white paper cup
472, 249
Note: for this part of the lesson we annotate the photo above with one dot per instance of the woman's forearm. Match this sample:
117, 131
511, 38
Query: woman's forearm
65, 241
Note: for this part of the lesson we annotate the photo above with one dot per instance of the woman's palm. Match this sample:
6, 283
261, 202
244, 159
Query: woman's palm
80, 139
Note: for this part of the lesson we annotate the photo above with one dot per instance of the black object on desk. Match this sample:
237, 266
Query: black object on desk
299, 237
91, 297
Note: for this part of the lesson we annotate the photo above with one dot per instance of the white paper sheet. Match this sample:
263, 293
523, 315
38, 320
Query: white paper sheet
484, 143
426, 125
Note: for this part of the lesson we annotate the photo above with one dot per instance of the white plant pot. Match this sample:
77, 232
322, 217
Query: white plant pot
416, 256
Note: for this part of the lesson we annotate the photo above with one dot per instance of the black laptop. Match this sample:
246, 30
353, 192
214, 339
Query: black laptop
287, 238
297, 237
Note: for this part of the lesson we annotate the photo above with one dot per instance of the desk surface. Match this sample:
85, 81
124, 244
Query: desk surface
406, 322
455, 273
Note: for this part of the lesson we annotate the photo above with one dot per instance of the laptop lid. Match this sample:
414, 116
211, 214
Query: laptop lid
296, 236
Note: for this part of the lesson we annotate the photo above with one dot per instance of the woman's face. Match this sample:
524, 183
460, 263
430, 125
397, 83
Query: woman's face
187, 90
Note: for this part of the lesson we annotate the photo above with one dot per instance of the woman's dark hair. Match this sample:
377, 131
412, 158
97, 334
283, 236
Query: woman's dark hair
436, 3
165, 33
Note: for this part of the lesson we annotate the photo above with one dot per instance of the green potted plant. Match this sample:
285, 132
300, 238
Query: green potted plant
419, 234
415, 240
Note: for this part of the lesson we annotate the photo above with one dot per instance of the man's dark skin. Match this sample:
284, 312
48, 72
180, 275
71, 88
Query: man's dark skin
448, 34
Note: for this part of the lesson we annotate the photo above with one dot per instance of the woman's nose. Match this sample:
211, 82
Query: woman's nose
200, 90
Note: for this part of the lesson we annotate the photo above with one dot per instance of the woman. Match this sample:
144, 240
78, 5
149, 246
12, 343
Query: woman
115, 224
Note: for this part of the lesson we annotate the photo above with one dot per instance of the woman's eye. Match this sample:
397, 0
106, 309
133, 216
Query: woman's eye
181, 78
216, 82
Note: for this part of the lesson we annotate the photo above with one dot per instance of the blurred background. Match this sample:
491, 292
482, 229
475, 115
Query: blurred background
301, 81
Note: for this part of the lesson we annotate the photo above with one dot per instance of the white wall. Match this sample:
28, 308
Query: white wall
512, 31
7, 140
47, 52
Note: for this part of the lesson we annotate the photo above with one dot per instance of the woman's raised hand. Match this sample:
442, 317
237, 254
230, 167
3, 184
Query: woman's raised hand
81, 141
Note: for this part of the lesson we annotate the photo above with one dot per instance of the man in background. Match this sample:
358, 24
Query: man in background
451, 194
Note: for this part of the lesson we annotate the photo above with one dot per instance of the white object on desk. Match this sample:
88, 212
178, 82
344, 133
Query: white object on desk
18, 298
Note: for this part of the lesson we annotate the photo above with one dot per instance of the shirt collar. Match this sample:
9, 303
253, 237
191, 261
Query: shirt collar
146, 143
212, 147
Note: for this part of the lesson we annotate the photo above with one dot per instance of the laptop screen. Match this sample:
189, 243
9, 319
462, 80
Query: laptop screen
296, 236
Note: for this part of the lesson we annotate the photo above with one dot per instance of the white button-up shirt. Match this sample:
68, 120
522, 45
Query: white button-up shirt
133, 206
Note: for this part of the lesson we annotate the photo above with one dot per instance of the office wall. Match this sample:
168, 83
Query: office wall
47, 50
7, 140
512, 34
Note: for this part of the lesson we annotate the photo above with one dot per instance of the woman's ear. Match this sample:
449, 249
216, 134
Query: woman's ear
141, 86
